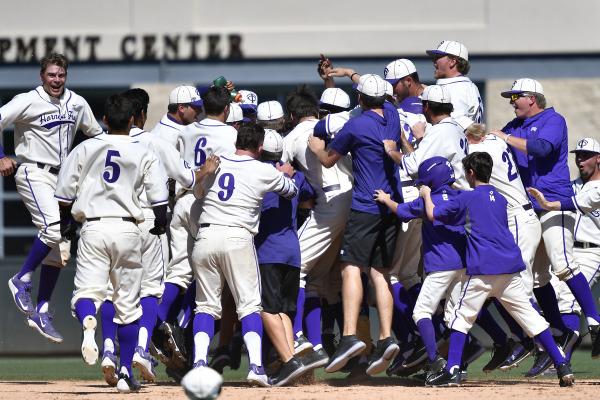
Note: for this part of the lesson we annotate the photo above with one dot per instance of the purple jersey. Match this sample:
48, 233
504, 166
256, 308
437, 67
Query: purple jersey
491, 248
412, 104
548, 173
277, 238
443, 245
363, 137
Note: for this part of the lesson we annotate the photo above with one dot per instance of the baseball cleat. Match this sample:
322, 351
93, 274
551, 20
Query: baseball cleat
315, 359
348, 348
21, 294
109, 368
289, 371
565, 375
301, 345
418, 355
541, 363
500, 353
473, 350
520, 351
89, 348
143, 361
126, 383
567, 341
445, 378
383, 354
595, 335
42, 322
257, 377
220, 359
199, 363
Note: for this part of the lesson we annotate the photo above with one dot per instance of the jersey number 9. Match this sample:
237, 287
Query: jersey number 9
116, 170
227, 183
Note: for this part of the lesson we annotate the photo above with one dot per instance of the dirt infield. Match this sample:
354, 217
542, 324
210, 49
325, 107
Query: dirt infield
383, 389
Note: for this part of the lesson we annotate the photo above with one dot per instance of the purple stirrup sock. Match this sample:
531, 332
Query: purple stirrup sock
546, 299
188, 306
425, 327
148, 319
581, 290
457, 344
299, 312
39, 250
571, 320
83, 308
547, 341
312, 319
169, 296
128, 336
109, 327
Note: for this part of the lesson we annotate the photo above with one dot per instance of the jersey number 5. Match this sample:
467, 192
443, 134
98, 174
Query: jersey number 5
227, 183
116, 170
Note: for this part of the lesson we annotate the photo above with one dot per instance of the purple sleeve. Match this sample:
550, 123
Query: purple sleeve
450, 212
539, 148
305, 191
412, 210
342, 142
553, 131
320, 130
568, 204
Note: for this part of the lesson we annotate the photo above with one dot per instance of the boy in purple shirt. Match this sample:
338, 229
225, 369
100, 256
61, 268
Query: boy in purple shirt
443, 251
493, 262
539, 139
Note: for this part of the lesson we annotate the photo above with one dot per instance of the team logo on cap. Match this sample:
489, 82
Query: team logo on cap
514, 83
251, 97
197, 92
582, 143
441, 43
386, 71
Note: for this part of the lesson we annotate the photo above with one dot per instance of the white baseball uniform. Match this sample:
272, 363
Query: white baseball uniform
522, 220
44, 130
586, 250
224, 248
466, 100
196, 142
325, 224
104, 178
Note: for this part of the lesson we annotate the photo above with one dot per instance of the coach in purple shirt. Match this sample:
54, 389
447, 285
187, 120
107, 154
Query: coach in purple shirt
538, 138
370, 235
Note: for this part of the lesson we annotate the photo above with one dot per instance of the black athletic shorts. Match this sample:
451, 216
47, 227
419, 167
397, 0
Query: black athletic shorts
369, 239
280, 283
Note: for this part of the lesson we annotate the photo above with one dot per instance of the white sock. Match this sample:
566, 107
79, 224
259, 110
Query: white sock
254, 346
298, 334
43, 308
318, 347
143, 338
109, 345
201, 343
591, 321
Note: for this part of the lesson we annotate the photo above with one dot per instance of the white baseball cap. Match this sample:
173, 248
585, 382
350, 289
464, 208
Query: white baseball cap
335, 97
269, 110
587, 144
248, 97
436, 93
450, 47
185, 95
273, 142
373, 85
524, 85
235, 113
398, 69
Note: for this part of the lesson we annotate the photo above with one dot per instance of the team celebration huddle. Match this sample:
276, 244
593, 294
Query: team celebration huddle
278, 226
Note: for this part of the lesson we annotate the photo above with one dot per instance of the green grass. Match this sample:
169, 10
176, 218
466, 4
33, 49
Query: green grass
73, 368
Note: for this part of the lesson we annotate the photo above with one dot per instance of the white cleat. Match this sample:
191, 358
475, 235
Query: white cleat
89, 348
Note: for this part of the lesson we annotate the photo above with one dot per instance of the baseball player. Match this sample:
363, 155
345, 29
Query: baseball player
370, 234
320, 235
493, 262
443, 252
197, 142
539, 139
269, 115
224, 248
46, 120
185, 106
586, 201
108, 204
235, 117
451, 63
249, 104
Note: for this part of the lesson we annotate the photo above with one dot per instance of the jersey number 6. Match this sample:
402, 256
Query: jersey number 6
199, 153
116, 170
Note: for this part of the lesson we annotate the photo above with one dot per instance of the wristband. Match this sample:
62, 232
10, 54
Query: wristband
354, 73
506, 138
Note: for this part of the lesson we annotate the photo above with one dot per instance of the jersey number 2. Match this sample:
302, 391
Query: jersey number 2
227, 183
512, 175
116, 170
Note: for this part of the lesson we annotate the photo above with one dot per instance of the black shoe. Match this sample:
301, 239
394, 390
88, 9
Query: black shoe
595, 335
445, 378
434, 367
315, 359
396, 365
302, 345
348, 348
172, 343
500, 353
418, 356
473, 350
519, 352
329, 343
288, 372
175, 374
220, 359
383, 354
542, 362
567, 341
235, 350
565, 375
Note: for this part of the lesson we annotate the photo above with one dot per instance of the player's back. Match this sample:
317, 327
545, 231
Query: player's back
168, 130
205, 138
465, 98
505, 173
235, 193
113, 171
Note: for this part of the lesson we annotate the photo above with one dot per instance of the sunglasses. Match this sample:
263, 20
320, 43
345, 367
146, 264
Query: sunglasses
515, 96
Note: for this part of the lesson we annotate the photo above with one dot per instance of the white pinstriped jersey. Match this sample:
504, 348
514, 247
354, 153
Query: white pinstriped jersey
168, 130
234, 195
171, 163
465, 98
505, 174
445, 139
407, 120
202, 139
323, 180
45, 126
106, 175
587, 227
